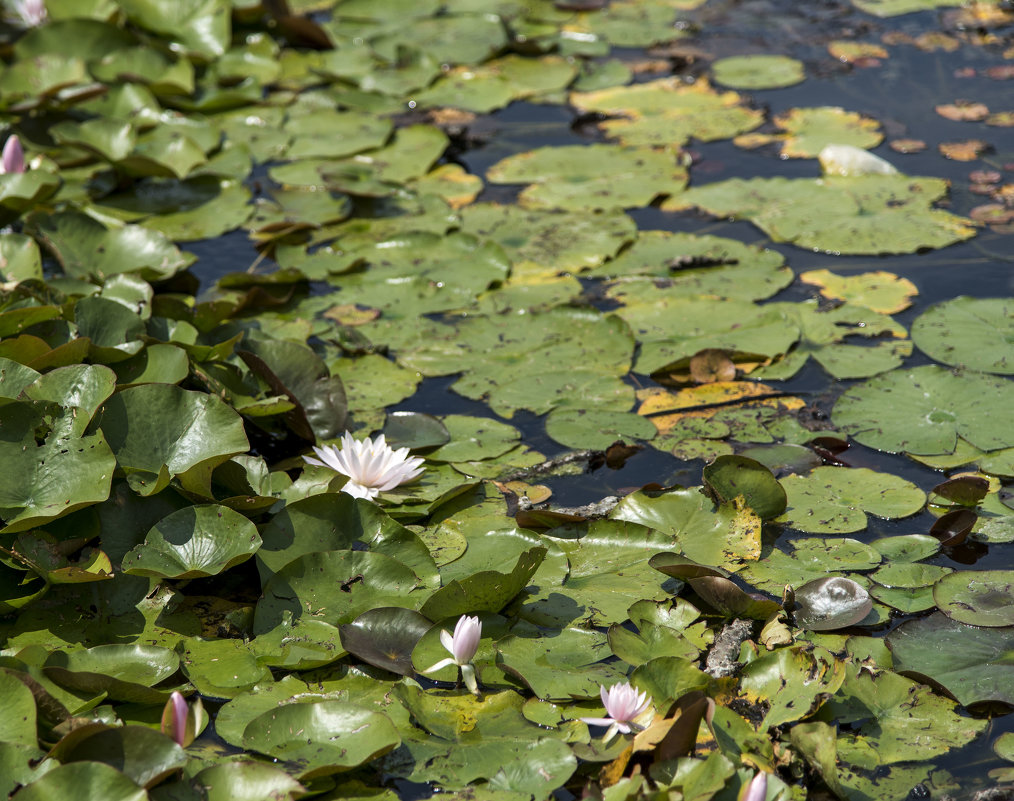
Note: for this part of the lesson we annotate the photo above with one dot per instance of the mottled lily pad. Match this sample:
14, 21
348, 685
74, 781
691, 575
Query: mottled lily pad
590, 177
925, 409
844, 215
976, 333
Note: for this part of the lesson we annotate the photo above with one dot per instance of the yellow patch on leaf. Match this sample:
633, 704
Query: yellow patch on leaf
706, 400
880, 291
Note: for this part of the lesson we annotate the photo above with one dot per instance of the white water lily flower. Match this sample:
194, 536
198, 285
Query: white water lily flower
12, 159
30, 12
757, 789
372, 466
849, 160
623, 706
462, 646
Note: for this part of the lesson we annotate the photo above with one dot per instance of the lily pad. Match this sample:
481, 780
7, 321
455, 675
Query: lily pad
758, 72
194, 542
976, 333
836, 500
669, 112
332, 736
591, 177
866, 214
972, 663
925, 409
977, 597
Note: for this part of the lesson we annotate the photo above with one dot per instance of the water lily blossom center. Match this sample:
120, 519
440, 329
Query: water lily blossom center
624, 705
372, 466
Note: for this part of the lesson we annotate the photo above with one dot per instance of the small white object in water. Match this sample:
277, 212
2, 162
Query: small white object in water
850, 161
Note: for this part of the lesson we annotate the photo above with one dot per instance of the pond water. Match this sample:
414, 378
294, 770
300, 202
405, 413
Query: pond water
503, 232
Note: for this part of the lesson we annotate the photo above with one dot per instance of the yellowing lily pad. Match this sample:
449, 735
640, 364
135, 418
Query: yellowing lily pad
880, 291
669, 112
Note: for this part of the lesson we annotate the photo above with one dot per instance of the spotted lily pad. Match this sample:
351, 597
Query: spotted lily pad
976, 333
835, 500
590, 177
843, 215
977, 597
925, 409
669, 111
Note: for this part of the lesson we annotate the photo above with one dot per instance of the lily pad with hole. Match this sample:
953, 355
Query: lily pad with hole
701, 265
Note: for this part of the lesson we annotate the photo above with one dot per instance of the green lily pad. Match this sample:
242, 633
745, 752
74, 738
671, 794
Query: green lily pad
730, 476
336, 587
591, 177
758, 72
198, 27
19, 258
560, 667
793, 682
89, 781
159, 430
810, 130
836, 500
976, 333
145, 756
50, 472
867, 214
247, 781
19, 724
322, 737
722, 537
972, 663
580, 428
894, 719
86, 247
333, 522
474, 438
925, 409
701, 265
485, 591
221, 668
194, 542
669, 112
124, 672
560, 240
977, 597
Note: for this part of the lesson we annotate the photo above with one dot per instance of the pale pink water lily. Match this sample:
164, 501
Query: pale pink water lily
372, 466
30, 12
13, 157
624, 705
181, 721
462, 646
757, 789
